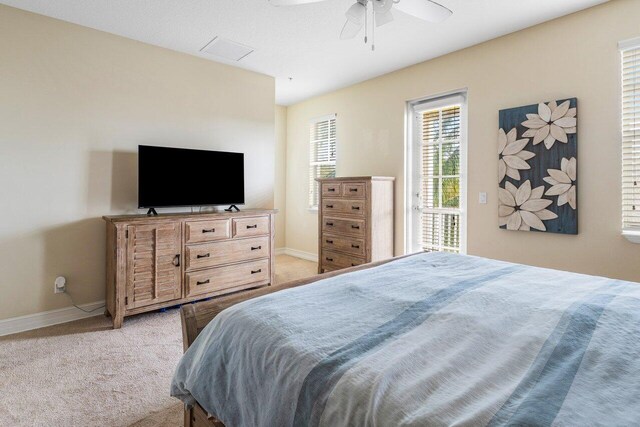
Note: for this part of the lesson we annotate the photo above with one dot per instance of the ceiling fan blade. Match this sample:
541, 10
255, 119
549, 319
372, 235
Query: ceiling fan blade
292, 2
356, 13
383, 18
426, 10
350, 30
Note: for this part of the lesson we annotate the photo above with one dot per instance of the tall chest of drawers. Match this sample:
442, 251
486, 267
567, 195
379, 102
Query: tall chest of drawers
167, 260
355, 221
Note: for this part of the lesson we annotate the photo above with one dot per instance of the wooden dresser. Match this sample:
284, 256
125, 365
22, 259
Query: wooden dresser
355, 221
167, 260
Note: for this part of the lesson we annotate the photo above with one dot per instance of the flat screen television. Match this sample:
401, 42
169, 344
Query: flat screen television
178, 177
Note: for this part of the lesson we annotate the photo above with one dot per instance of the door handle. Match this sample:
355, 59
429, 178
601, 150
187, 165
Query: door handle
176, 260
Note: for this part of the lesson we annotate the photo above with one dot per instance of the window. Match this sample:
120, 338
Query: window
437, 152
322, 154
631, 139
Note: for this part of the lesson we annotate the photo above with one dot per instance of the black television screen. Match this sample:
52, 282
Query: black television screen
170, 177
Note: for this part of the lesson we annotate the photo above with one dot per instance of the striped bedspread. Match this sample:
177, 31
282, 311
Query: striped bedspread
429, 340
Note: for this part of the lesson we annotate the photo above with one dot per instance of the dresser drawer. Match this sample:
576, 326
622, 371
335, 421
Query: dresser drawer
345, 206
351, 245
220, 279
336, 261
247, 227
355, 190
207, 231
331, 189
218, 253
343, 226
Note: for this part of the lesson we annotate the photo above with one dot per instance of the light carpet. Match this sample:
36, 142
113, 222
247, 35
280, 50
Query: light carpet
84, 373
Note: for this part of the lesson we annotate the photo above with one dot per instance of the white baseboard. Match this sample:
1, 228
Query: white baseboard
48, 318
298, 254
69, 314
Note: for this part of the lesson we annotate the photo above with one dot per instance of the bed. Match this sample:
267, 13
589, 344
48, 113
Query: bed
427, 339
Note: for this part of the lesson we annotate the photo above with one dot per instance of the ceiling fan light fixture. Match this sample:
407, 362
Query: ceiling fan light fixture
382, 6
382, 9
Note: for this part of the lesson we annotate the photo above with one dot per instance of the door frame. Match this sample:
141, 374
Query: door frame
412, 164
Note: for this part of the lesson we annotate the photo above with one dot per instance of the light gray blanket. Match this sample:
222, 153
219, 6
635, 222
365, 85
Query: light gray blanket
429, 340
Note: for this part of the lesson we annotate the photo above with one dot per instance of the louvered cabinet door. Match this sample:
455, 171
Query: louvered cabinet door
153, 264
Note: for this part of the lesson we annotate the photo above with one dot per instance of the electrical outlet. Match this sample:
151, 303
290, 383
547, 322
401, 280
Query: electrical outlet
482, 198
60, 285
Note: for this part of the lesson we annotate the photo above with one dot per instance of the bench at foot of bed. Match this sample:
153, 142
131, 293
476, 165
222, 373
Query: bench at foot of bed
198, 417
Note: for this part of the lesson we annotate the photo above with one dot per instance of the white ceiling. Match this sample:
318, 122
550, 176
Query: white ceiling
302, 41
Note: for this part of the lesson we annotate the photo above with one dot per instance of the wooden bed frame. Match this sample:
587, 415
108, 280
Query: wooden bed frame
196, 316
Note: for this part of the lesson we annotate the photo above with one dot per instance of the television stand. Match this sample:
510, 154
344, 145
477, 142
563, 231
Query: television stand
231, 208
152, 212
157, 262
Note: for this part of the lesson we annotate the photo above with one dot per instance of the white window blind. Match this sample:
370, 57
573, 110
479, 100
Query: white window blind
322, 154
631, 136
440, 148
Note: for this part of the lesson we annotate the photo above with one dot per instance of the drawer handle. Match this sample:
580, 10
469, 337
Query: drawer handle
255, 248
353, 190
256, 271
212, 230
176, 260
356, 227
203, 283
252, 226
355, 208
355, 246
330, 224
353, 264
203, 256
329, 242
332, 190
329, 206
329, 259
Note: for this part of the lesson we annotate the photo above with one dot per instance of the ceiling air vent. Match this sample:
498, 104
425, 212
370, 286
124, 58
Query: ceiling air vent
226, 49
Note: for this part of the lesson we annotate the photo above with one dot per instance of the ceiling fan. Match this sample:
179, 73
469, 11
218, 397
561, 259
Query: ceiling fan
381, 13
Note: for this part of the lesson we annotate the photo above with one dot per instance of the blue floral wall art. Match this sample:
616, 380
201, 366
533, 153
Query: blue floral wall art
537, 167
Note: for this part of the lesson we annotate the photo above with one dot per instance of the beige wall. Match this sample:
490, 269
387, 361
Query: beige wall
280, 191
573, 56
74, 105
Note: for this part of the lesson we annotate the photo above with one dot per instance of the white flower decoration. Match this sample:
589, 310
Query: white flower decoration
563, 182
523, 208
552, 123
511, 155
